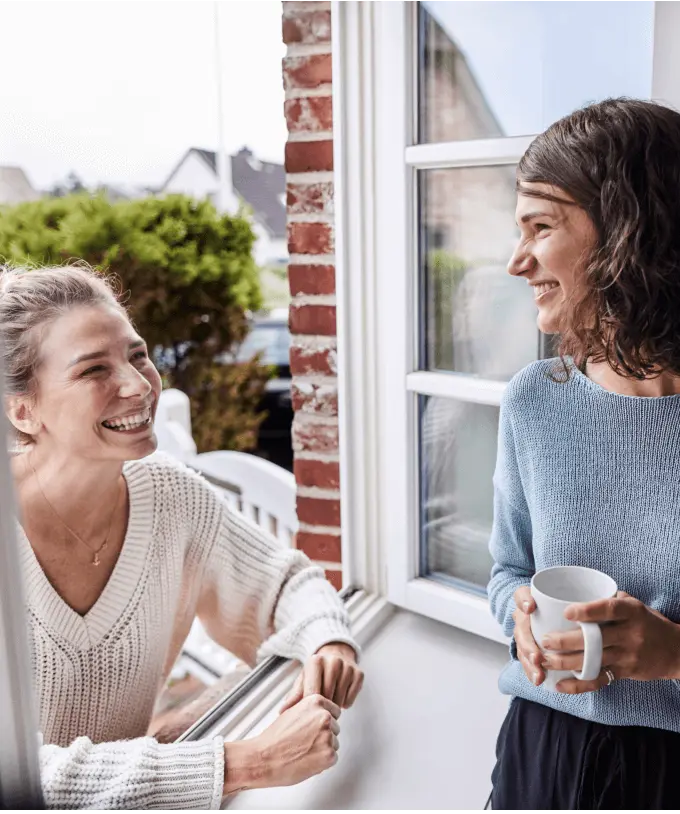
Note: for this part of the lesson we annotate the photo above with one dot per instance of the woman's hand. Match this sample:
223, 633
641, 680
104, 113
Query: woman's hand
332, 672
638, 643
528, 651
302, 742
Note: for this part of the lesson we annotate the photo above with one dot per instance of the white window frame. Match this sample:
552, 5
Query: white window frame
19, 772
376, 158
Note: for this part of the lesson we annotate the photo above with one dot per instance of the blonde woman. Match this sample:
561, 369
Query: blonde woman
121, 552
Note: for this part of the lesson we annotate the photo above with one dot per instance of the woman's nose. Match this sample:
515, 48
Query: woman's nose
521, 261
133, 383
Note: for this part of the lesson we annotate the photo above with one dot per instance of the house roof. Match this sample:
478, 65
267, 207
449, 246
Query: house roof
15, 186
261, 184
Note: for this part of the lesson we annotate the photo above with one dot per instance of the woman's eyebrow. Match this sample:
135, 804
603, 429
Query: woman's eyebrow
536, 214
100, 354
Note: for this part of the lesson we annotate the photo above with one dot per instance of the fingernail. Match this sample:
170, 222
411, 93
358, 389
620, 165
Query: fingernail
547, 642
569, 613
526, 606
536, 678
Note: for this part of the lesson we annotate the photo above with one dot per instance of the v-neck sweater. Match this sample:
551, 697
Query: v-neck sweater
186, 553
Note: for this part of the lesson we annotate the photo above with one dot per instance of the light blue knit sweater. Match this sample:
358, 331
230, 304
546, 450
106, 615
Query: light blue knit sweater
588, 477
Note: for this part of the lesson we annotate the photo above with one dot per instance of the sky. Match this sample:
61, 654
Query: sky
537, 61
117, 90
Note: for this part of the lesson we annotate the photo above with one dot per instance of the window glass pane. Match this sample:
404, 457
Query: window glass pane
511, 68
458, 456
476, 318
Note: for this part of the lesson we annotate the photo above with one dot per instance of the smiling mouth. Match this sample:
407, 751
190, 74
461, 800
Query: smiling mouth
541, 289
129, 422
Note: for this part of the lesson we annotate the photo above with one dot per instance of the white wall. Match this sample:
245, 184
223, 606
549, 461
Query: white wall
195, 178
268, 250
422, 734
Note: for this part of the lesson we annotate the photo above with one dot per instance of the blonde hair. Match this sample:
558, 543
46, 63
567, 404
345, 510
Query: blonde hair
31, 299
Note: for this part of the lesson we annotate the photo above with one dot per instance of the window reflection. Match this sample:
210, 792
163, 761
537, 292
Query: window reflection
511, 68
458, 453
477, 318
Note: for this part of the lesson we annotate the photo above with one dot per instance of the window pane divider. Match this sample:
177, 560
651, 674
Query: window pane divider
478, 153
456, 386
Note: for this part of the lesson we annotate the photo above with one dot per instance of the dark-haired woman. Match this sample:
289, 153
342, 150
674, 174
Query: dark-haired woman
588, 469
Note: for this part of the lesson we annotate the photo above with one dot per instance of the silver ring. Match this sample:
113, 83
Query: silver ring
610, 676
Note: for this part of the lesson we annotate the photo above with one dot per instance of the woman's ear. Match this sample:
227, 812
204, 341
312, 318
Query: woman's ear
22, 413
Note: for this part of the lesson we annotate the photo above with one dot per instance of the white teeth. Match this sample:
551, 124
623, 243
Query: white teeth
543, 288
131, 422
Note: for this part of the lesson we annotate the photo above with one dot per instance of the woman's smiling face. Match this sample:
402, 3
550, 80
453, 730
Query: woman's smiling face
96, 389
556, 238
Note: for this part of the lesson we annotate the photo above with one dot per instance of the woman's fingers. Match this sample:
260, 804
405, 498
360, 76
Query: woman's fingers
354, 688
524, 601
332, 678
572, 686
572, 640
527, 650
296, 694
574, 661
525, 638
313, 676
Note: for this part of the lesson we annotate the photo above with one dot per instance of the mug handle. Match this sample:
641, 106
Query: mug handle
592, 652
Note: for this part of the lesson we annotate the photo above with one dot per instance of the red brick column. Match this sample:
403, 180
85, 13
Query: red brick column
307, 78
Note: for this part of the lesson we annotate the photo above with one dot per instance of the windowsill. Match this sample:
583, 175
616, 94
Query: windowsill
422, 733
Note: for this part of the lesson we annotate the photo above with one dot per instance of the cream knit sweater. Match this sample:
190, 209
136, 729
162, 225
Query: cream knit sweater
186, 553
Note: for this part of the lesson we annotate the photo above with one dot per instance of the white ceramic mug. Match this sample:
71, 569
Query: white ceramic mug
553, 590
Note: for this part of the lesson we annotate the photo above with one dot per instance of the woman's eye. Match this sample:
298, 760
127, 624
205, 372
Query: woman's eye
541, 227
95, 369
141, 354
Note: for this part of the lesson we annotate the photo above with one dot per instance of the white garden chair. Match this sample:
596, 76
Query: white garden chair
262, 491
266, 492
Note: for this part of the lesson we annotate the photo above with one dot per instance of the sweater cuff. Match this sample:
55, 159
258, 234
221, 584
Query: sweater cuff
192, 772
320, 632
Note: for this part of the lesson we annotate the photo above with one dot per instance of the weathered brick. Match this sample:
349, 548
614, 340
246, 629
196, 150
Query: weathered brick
310, 238
335, 578
306, 26
309, 156
311, 279
309, 71
314, 436
317, 399
304, 361
310, 114
310, 199
316, 511
326, 547
322, 474
317, 320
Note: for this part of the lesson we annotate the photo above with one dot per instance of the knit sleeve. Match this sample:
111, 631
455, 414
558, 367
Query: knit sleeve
258, 598
134, 774
511, 538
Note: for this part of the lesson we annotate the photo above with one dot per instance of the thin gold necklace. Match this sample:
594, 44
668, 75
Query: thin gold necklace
94, 552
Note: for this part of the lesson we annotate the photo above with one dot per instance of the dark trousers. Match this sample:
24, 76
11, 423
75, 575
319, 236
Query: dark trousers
551, 760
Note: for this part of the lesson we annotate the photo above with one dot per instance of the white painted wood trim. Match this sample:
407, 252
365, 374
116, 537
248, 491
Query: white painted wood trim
456, 386
454, 607
479, 153
354, 112
19, 773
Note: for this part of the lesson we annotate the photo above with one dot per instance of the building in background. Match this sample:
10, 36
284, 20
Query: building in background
261, 185
15, 186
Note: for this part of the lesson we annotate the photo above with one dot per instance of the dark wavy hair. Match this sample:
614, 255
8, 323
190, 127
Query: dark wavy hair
619, 160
